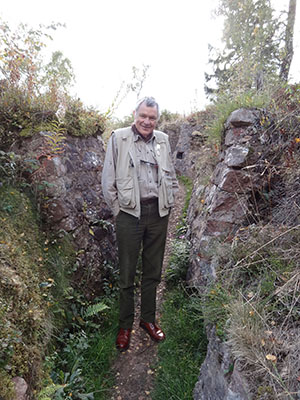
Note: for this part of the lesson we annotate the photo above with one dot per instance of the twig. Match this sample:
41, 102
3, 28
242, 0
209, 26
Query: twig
263, 246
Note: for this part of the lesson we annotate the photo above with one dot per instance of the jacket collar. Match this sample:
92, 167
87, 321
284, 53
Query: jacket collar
139, 135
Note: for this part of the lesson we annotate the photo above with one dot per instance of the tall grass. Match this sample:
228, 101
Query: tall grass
226, 104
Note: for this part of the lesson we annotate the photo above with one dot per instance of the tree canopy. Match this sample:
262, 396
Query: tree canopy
255, 45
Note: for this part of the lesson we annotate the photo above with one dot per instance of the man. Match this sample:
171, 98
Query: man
139, 183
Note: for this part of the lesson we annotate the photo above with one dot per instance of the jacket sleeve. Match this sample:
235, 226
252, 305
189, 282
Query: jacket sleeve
109, 188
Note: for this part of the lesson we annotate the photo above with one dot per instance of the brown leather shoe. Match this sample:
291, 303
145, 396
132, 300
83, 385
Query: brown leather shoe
153, 331
123, 339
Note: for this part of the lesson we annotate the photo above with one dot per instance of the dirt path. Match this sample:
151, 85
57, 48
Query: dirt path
134, 369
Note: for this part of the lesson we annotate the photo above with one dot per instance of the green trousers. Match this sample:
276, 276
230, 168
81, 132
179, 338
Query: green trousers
147, 234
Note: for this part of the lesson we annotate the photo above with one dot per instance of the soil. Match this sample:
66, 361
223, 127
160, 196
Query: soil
135, 369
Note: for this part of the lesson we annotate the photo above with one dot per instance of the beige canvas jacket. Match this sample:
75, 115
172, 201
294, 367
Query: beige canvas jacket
120, 173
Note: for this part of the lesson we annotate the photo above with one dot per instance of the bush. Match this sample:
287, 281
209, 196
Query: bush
82, 121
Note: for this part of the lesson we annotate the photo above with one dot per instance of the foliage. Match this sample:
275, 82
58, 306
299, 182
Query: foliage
179, 258
253, 41
82, 121
21, 56
167, 116
55, 138
48, 392
22, 115
178, 263
215, 302
94, 309
83, 352
58, 73
7, 391
227, 103
181, 355
82, 345
188, 184
24, 315
33, 96
10, 167
253, 305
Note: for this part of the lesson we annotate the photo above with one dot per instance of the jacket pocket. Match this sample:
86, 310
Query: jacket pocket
126, 194
167, 187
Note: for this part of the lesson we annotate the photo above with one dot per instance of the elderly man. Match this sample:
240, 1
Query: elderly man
139, 183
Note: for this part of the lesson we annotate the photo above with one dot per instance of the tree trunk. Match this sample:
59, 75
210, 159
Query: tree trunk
289, 36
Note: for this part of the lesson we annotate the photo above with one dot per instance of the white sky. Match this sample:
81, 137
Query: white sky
105, 38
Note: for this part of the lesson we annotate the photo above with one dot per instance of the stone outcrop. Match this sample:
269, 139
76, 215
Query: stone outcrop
218, 378
187, 148
186, 137
216, 212
219, 209
172, 129
71, 201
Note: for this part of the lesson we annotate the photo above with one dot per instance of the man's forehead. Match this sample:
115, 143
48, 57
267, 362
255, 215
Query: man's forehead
144, 108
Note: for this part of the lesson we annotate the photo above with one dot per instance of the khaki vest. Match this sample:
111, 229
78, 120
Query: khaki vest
127, 172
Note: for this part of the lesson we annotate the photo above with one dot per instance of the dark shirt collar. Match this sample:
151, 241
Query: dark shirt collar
135, 130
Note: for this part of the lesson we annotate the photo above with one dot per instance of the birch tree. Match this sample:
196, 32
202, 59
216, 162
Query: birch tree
289, 38
257, 48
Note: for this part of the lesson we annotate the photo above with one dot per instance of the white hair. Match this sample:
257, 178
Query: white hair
149, 102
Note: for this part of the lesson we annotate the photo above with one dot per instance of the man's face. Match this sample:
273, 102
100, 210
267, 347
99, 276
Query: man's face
146, 119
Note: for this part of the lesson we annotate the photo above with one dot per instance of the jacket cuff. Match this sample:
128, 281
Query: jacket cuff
115, 208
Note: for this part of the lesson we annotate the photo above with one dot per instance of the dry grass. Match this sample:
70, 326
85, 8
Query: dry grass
263, 329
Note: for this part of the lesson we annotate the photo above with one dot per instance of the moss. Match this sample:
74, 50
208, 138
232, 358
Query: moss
31, 129
24, 301
7, 391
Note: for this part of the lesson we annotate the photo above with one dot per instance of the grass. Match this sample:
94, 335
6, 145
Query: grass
226, 104
254, 304
188, 184
183, 351
82, 358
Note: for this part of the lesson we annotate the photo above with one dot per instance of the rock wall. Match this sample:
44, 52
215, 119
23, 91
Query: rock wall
186, 140
219, 209
72, 202
216, 212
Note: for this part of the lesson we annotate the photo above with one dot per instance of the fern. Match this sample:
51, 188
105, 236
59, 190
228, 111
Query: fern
56, 137
95, 309
48, 392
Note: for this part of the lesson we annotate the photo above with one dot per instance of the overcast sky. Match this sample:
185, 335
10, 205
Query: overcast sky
105, 38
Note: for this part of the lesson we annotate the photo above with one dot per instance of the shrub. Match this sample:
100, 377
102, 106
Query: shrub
82, 121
